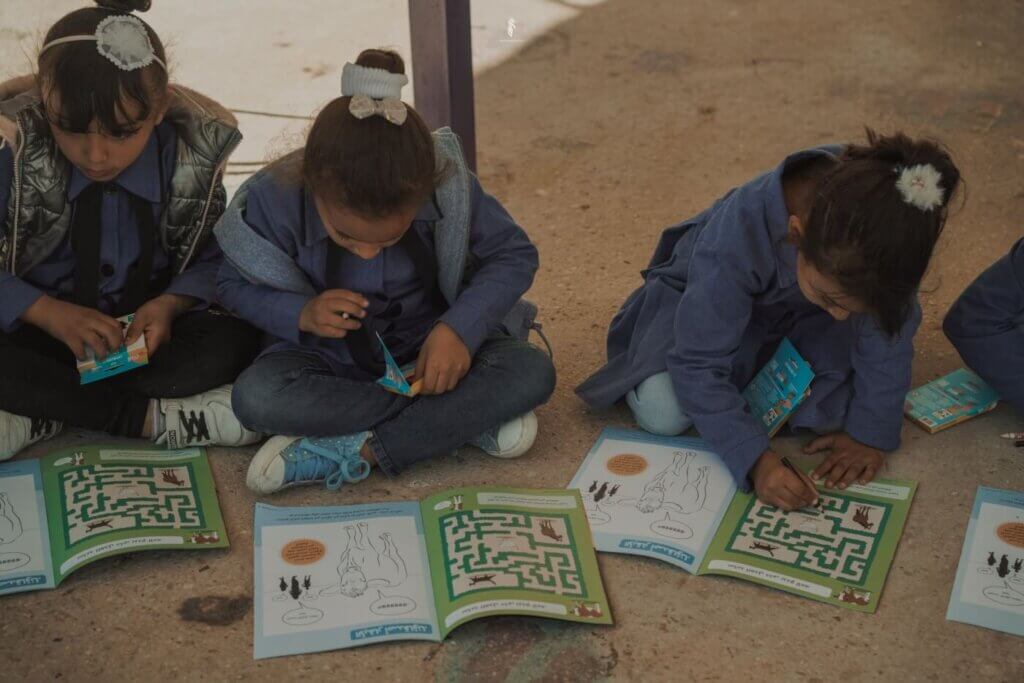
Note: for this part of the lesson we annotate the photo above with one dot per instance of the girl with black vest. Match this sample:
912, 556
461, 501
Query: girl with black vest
376, 230
110, 184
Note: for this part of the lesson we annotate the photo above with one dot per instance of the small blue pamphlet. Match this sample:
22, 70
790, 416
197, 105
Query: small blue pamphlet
779, 387
949, 400
122, 360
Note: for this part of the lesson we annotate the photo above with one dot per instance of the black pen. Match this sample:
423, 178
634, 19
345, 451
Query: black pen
792, 468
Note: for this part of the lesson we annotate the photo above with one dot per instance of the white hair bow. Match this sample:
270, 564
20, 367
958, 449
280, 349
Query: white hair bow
364, 106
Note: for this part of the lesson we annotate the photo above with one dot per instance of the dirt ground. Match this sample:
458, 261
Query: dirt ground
627, 118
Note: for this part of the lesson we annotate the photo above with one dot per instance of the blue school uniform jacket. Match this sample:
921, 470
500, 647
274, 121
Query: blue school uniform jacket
718, 296
284, 215
986, 325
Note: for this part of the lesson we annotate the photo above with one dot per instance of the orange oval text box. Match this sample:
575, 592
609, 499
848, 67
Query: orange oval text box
627, 464
1012, 533
303, 551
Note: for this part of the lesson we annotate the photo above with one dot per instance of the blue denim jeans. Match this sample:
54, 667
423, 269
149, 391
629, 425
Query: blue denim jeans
297, 393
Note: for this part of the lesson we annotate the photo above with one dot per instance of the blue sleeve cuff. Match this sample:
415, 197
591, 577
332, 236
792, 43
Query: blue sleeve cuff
872, 429
16, 296
742, 457
470, 327
200, 285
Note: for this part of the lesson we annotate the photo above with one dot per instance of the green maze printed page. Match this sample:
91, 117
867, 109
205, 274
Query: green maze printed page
107, 500
839, 554
512, 551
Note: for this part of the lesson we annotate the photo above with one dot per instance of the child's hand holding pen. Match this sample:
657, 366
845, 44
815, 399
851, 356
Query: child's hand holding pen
777, 482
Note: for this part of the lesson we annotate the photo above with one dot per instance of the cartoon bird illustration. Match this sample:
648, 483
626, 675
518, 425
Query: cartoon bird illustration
283, 586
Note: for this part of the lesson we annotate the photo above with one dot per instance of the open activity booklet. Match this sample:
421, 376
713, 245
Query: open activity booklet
70, 508
989, 588
672, 499
334, 577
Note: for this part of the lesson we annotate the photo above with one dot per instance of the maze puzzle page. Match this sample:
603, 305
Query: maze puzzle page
101, 498
510, 549
840, 542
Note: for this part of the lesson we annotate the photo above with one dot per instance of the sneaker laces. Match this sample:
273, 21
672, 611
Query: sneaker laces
332, 460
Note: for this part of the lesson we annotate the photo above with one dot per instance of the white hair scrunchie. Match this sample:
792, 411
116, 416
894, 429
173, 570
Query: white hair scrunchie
374, 92
919, 186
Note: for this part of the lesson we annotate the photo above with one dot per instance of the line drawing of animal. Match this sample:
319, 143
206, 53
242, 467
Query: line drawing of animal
171, 477
283, 586
767, 547
860, 516
678, 487
10, 523
93, 526
488, 578
991, 559
1018, 563
365, 563
547, 530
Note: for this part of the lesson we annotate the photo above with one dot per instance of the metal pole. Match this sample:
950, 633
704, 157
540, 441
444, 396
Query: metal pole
442, 66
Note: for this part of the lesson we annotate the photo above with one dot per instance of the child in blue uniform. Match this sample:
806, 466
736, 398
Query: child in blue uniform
827, 249
986, 325
376, 229
109, 189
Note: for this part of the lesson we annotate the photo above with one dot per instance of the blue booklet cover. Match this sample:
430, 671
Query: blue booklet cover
949, 400
125, 358
779, 387
989, 587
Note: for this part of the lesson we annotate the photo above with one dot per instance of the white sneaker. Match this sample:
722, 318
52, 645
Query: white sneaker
204, 420
17, 432
511, 439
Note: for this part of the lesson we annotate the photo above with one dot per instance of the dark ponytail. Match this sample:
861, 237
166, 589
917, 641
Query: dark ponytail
88, 85
865, 234
370, 166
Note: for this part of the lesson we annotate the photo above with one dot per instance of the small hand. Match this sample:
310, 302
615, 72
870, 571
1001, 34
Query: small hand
777, 485
443, 361
77, 326
334, 313
850, 461
155, 319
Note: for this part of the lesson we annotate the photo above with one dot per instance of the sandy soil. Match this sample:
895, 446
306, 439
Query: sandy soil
596, 134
